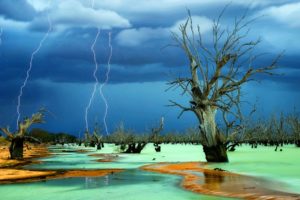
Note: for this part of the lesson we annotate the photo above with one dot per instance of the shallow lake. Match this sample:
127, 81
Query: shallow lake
280, 167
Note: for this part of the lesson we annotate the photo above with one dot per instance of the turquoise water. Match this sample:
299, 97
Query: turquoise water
69, 160
282, 167
83, 161
132, 184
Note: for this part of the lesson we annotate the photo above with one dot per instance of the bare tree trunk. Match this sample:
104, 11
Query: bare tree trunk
16, 148
213, 145
208, 125
215, 153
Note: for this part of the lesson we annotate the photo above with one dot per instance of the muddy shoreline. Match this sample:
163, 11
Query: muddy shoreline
31, 152
218, 183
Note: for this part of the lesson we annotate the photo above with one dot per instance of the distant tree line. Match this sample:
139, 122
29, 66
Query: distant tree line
45, 136
275, 131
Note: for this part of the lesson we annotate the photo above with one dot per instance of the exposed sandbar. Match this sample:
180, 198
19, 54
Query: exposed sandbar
220, 183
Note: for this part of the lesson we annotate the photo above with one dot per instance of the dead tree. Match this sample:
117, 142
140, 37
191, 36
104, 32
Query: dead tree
18, 138
239, 129
128, 141
97, 138
278, 130
155, 132
88, 139
294, 123
217, 74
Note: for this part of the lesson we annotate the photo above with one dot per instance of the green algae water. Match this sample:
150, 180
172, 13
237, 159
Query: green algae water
282, 167
280, 170
170, 153
131, 184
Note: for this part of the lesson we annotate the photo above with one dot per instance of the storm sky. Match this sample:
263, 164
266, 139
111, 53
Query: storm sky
143, 58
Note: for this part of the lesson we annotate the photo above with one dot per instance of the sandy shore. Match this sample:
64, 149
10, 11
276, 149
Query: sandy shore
15, 175
85, 173
10, 170
219, 183
30, 152
8, 176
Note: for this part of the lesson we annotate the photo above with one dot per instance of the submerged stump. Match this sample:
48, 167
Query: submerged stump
215, 153
135, 148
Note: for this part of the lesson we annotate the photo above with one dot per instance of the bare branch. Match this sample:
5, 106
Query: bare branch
7, 132
183, 108
36, 118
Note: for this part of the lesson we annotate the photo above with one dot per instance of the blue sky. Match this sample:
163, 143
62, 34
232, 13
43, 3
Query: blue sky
62, 74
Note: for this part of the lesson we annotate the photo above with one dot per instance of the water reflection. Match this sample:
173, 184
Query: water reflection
213, 181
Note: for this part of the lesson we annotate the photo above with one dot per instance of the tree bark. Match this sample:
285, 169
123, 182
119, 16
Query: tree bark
16, 148
207, 125
213, 145
215, 153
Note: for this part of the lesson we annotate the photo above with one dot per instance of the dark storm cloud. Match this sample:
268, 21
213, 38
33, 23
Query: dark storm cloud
290, 61
40, 24
62, 69
68, 58
18, 10
34, 92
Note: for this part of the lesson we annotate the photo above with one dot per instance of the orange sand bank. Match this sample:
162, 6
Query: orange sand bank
16, 175
212, 182
8, 167
87, 173
30, 152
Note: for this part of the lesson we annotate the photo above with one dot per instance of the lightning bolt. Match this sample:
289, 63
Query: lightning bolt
96, 80
30, 68
105, 82
94, 75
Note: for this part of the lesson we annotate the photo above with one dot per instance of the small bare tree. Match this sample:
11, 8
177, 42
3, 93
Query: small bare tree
155, 135
217, 73
97, 137
294, 123
17, 139
87, 138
